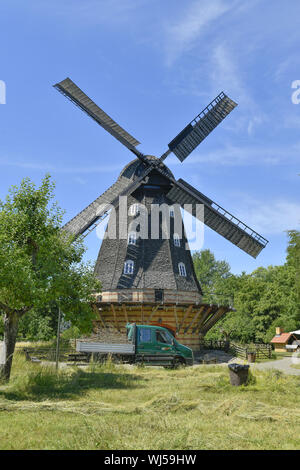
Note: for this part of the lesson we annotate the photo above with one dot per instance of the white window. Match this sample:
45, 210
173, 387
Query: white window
134, 209
128, 267
181, 269
171, 211
176, 239
132, 238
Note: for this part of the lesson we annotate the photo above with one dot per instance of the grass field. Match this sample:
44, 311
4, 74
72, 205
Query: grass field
121, 407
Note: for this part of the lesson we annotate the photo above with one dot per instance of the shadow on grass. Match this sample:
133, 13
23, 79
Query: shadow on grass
45, 384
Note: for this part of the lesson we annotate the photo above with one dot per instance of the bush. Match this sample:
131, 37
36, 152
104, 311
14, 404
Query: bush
71, 333
35, 327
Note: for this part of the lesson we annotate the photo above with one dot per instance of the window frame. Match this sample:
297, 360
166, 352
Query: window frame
141, 329
132, 238
127, 270
182, 269
167, 338
134, 209
176, 240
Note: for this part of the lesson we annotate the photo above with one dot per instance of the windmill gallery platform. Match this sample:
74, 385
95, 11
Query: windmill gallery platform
151, 279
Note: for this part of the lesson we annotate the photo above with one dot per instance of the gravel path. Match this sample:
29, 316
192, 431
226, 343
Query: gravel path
213, 356
222, 358
284, 365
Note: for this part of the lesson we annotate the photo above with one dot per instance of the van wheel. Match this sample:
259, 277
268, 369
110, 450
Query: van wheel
178, 362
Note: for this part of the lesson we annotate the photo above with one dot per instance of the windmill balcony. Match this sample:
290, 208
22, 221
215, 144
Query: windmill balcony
189, 320
160, 296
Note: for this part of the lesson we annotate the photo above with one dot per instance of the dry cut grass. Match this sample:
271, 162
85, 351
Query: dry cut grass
128, 407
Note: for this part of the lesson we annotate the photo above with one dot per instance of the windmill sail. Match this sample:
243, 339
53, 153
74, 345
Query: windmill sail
68, 88
95, 211
218, 219
203, 124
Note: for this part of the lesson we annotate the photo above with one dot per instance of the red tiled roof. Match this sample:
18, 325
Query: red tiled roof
283, 338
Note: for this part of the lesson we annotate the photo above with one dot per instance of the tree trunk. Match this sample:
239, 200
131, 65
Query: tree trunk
11, 323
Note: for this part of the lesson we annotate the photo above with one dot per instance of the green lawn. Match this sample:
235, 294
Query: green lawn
119, 407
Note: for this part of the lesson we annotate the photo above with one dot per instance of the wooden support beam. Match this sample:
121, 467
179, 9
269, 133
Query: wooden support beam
194, 319
204, 317
176, 319
115, 317
205, 313
125, 312
97, 311
151, 314
186, 314
213, 319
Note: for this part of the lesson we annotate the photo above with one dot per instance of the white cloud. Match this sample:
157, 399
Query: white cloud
182, 35
227, 75
272, 217
243, 156
225, 72
63, 169
287, 68
79, 180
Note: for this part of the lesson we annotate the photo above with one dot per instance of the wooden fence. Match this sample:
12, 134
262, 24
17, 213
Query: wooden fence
46, 354
214, 344
262, 350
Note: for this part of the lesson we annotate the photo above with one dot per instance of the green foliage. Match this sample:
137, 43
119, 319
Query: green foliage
293, 250
41, 268
210, 273
40, 264
264, 299
36, 327
71, 333
293, 258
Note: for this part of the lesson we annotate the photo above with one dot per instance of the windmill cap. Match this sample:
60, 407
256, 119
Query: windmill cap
136, 167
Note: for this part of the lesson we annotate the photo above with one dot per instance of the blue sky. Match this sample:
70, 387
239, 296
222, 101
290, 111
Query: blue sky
153, 65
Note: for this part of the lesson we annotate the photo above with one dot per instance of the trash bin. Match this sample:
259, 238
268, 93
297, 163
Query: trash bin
251, 356
238, 373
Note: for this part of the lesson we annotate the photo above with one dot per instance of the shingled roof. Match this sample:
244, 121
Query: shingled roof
282, 339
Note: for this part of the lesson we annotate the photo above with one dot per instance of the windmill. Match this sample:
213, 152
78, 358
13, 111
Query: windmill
153, 280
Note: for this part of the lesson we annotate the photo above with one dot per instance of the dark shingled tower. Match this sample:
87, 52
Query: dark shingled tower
155, 260
148, 279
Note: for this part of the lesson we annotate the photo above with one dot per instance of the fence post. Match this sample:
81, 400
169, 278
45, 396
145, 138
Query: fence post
58, 338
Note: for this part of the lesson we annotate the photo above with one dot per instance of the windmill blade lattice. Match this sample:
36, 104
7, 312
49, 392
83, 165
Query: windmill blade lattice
68, 88
198, 129
218, 219
94, 213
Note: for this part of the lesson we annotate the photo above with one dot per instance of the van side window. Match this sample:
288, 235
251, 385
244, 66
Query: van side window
144, 335
161, 337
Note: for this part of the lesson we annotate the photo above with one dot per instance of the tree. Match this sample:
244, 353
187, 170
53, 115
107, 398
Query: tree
210, 273
40, 264
293, 258
264, 299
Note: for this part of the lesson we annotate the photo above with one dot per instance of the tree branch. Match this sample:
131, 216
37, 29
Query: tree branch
6, 308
